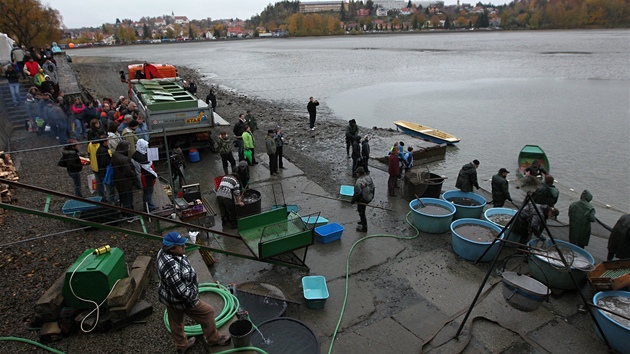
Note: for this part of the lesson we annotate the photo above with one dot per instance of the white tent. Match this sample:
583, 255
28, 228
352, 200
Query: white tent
6, 44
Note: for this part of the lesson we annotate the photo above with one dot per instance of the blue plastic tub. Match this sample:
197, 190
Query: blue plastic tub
314, 221
74, 206
346, 192
432, 224
617, 334
465, 211
472, 250
502, 211
329, 233
315, 291
555, 278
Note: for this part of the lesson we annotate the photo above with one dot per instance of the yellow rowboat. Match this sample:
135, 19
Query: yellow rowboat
434, 135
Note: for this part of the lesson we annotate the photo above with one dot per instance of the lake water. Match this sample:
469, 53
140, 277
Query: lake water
567, 91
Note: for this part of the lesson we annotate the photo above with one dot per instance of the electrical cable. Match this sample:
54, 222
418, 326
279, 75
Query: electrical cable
345, 299
32, 342
230, 307
242, 349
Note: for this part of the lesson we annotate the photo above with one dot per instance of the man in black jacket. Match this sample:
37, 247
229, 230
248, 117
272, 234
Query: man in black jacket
311, 107
239, 128
500, 188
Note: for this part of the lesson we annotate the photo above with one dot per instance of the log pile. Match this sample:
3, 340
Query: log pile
7, 171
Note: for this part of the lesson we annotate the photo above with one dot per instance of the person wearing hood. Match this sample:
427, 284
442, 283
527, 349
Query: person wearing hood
145, 172
71, 161
581, 215
124, 175
33, 109
39, 77
352, 130
47, 85
50, 69
467, 177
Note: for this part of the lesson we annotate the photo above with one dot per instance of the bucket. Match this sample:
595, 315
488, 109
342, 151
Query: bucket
508, 214
252, 199
465, 211
193, 154
471, 249
557, 278
522, 292
241, 332
431, 223
617, 334
422, 184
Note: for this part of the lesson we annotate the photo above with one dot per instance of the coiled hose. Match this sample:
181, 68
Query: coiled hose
229, 309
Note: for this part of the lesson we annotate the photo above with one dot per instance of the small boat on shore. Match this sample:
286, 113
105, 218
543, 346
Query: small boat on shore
528, 154
425, 132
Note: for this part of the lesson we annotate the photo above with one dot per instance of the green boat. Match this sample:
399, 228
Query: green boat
528, 154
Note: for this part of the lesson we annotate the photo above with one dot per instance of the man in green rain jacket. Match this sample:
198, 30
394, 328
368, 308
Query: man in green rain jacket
581, 215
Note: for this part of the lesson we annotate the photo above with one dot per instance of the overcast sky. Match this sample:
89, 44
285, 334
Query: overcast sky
94, 13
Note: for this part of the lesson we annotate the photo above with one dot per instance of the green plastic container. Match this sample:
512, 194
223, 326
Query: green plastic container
94, 278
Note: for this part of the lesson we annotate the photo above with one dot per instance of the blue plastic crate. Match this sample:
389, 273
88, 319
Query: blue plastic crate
315, 291
346, 192
329, 233
74, 206
314, 221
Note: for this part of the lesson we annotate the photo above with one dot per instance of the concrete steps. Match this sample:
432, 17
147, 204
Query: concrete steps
17, 115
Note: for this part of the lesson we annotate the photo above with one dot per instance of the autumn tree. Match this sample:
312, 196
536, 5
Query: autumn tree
435, 21
30, 22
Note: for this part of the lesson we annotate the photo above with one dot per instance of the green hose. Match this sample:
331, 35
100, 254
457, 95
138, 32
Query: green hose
229, 309
345, 299
24, 340
242, 350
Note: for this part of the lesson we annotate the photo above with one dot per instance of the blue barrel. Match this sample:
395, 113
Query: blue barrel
470, 249
617, 334
556, 278
465, 211
508, 213
193, 154
429, 223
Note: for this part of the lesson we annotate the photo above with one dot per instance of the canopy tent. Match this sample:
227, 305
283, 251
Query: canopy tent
6, 44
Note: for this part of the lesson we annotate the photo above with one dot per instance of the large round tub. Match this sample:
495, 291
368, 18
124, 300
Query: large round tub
504, 215
617, 334
434, 218
471, 248
467, 205
545, 273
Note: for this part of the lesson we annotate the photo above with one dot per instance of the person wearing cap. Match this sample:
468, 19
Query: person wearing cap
228, 195
467, 177
270, 145
39, 78
179, 292
251, 121
363, 194
279, 138
547, 193
242, 173
581, 215
532, 220
225, 150
129, 134
500, 188
352, 131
